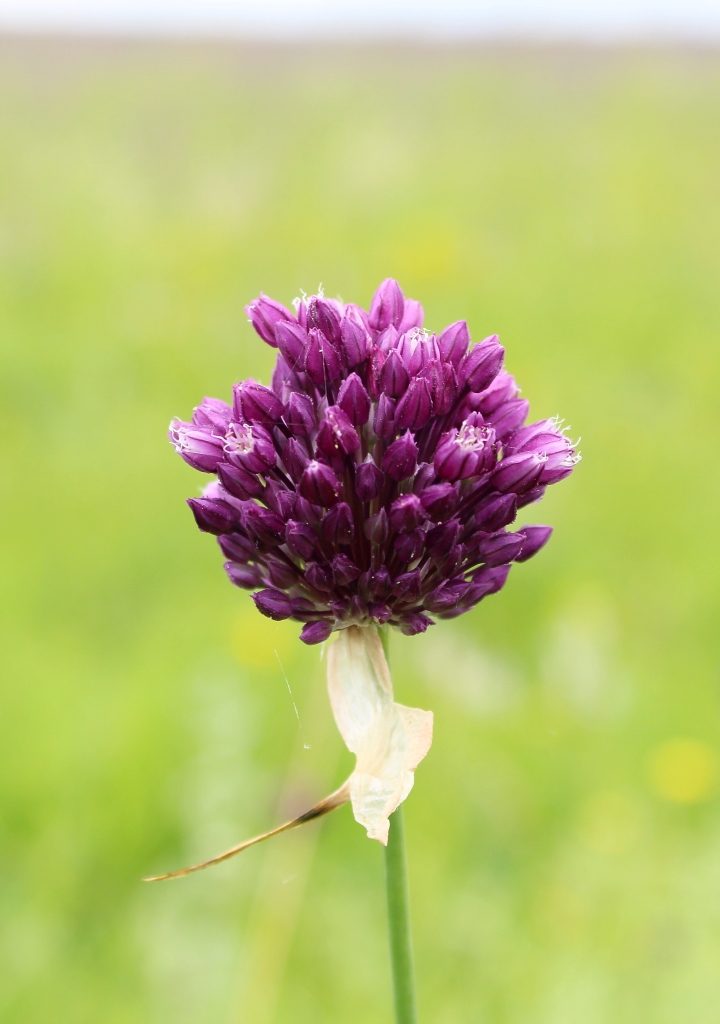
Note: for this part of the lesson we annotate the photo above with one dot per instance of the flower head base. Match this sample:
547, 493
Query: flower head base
375, 480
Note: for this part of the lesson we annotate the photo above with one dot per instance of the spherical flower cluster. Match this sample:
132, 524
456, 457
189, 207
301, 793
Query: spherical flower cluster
374, 481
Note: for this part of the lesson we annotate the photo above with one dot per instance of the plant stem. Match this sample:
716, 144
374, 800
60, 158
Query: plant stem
398, 904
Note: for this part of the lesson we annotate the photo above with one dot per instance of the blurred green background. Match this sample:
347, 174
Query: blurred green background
564, 835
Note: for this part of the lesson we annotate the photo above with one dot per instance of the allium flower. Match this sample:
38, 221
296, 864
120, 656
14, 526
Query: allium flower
373, 483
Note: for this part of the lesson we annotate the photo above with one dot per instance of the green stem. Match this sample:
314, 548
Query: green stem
398, 904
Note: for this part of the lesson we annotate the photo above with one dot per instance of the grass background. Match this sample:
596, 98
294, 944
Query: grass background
564, 835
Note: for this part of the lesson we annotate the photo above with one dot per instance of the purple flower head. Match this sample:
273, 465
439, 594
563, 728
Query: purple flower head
376, 480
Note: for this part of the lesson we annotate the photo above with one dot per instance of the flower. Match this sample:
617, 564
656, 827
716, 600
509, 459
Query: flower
375, 481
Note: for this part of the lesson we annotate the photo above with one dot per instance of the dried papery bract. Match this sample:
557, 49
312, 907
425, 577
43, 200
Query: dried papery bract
389, 740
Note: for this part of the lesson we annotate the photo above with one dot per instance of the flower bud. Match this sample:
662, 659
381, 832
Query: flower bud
536, 538
380, 612
394, 378
384, 419
237, 547
292, 340
466, 452
368, 480
413, 316
408, 546
400, 459
316, 632
354, 400
408, 586
375, 584
320, 485
280, 574
417, 349
323, 315
407, 513
446, 596
441, 539
501, 548
387, 307
254, 403
517, 473
509, 416
337, 526
319, 576
481, 365
439, 500
495, 511
442, 382
486, 581
376, 527
415, 622
453, 343
273, 603
239, 482
299, 415
250, 448
336, 434
322, 363
301, 539
264, 314
528, 497
244, 576
263, 525
213, 414
197, 446
415, 406
353, 338
213, 516
344, 570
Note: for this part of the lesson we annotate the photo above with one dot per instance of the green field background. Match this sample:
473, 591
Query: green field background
564, 832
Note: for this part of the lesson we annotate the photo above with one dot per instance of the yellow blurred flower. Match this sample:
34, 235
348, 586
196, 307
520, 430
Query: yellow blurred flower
683, 770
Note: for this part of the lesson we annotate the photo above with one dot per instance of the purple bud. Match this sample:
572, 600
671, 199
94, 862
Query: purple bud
273, 603
376, 527
407, 513
466, 452
495, 511
263, 525
414, 623
417, 349
380, 612
400, 459
446, 596
237, 547
415, 407
316, 632
442, 382
502, 389
413, 316
323, 315
264, 314
197, 446
486, 581
337, 526
408, 546
517, 473
424, 475
213, 516
354, 400
453, 342
320, 485
501, 548
384, 419
336, 434
280, 574
441, 539
299, 415
394, 378
375, 585
344, 570
242, 575
292, 340
528, 497
509, 416
368, 480
322, 363
239, 482
408, 585
254, 403
536, 537
295, 458
319, 576
303, 610
387, 307
250, 448
213, 414
353, 338
386, 341
552, 475
481, 365
440, 500
301, 539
